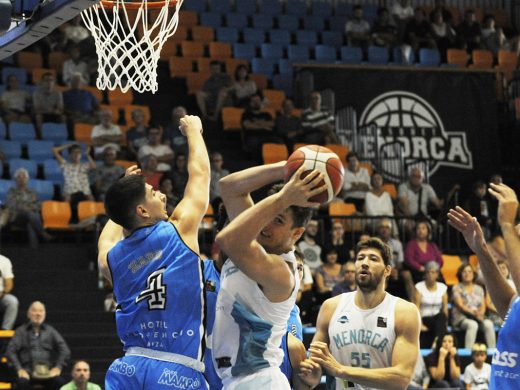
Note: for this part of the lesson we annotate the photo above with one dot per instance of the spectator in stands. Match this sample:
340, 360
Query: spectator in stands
149, 170
337, 241
179, 175
287, 125
402, 12
207, 97
413, 198
76, 185
309, 246
378, 202
217, 172
163, 153
417, 35
356, 182
468, 31
106, 134
80, 104
469, 308
8, 302
47, 102
24, 208
14, 102
328, 274
318, 123
421, 250
503, 266
77, 35
38, 352
75, 65
421, 378
384, 31
137, 135
444, 363
477, 374
358, 29
166, 187
239, 92
494, 39
80, 378
107, 173
478, 205
348, 283
440, 6
257, 127
443, 34
172, 136
431, 297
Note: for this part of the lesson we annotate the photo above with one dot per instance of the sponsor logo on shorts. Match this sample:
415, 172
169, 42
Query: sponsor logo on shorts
122, 368
171, 378
505, 358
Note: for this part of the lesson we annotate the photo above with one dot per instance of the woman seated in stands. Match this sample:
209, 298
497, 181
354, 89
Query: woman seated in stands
420, 250
328, 274
14, 102
338, 242
378, 202
239, 92
469, 308
444, 364
431, 297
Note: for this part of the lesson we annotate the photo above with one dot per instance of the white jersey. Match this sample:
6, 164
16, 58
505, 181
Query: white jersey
362, 338
248, 327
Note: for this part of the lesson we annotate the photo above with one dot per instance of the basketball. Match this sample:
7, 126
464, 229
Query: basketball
322, 159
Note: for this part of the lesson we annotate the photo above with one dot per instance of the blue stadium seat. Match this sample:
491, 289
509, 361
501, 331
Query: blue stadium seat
326, 54
306, 38
296, 7
211, 19
332, 38
244, 50
11, 149
54, 132
370, 12
195, 5
22, 132
53, 172
227, 34
30, 165
262, 21
220, 6
337, 23
3, 130
378, 55
298, 53
282, 37
314, 23
429, 57
288, 22
285, 66
44, 188
247, 7
40, 150
271, 50
321, 8
271, 7
4, 187
236, 20
21, 75
343, 8
351, 55
265, 66
254, 35
284, 82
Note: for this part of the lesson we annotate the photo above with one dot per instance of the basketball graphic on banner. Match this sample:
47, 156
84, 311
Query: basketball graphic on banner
320, 158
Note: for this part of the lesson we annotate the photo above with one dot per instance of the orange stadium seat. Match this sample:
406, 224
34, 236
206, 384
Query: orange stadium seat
341, 209
260, 80
272, 153
368, 166
83, 132
98, 94
203, 64
390, 188
56, 60
192, 49
219, 50
195, 81
298, 145
482, 59
180, 66
232, 63
232, 118
457, 57
275, 98
180, 35
188, 18
208, 222
449, 269
29, 60
117, 97
125, 163
340, 150
56, 215
89, 208
204, 34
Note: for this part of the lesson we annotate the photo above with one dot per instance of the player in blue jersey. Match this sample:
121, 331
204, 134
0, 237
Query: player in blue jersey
157, 276
505, 367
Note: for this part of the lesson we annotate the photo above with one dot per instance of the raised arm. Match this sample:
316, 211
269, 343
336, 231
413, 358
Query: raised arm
57, 152
189, 212
499, 289
91, 162
236, 188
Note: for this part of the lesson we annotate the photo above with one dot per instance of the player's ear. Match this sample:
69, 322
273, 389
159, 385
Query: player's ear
141, 211
388, 270
297, 233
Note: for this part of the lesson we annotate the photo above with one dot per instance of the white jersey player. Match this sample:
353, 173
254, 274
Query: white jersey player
366, 339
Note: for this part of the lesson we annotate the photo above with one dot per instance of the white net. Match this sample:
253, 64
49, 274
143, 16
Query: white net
128, 43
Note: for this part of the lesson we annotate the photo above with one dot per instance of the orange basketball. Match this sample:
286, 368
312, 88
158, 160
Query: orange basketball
322, 159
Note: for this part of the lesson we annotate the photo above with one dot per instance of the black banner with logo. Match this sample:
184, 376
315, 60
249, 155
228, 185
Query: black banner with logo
448, 118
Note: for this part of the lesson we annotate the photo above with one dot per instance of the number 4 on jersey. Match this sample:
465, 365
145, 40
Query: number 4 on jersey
155, 291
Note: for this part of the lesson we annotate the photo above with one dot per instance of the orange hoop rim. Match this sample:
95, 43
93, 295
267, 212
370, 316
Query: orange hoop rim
131, 5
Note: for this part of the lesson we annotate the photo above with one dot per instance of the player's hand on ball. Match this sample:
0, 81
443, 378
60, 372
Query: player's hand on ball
133, 170
190, 123
320, 354
298, 190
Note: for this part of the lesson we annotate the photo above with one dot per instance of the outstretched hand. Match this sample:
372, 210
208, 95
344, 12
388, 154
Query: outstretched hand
507, 203
133, 170
468, 225
299, 190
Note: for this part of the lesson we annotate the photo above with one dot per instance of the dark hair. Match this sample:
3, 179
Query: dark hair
121, 199
428, 226
301, 215
215, 62
352, 154
237, 69
73, 148
376, 243
299, 255
438, 343
381, 10
163, 179
326, 251
478, 184
356, 7
461, 269
79, 361
222, 217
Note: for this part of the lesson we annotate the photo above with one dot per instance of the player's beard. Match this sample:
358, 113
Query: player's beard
370, 283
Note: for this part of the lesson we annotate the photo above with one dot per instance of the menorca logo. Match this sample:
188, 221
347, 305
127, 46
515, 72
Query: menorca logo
406, 121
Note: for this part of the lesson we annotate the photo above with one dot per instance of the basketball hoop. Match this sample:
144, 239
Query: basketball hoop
128, 44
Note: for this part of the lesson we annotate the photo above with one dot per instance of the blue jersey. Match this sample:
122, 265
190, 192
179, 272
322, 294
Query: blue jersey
212, 286
158, 286
294, 325
505, 368
286, 366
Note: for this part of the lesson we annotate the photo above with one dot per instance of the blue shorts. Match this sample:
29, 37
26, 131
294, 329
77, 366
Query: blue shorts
137, 372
